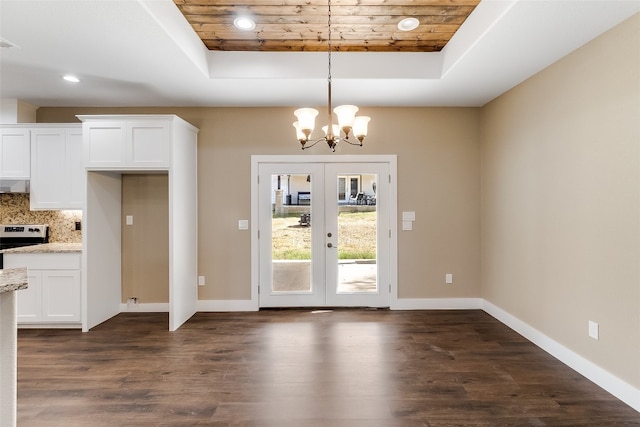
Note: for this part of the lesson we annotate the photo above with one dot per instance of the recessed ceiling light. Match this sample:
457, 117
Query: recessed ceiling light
244, 23
70, 78
408, 24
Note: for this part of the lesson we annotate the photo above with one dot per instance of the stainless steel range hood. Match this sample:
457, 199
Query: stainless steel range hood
14, 186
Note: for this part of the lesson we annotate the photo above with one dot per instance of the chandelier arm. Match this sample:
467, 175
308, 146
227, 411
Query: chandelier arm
307, 146
359, 143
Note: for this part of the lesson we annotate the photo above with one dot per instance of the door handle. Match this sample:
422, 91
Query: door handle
330, 245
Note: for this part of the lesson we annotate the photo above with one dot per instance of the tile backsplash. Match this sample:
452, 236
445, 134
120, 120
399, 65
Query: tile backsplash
14, 209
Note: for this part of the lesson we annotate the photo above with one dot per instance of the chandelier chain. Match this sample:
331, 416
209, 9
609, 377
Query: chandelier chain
329, 39
346, 114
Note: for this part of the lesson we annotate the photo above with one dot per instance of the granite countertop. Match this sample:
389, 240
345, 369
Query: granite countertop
47, 248
13, 279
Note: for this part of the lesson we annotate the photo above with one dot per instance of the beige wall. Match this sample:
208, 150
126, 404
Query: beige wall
561, 201
145, 243
438, 178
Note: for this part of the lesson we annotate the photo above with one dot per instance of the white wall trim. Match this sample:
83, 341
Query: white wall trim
390, 159
614, 385
436, 304
159, 307
221, 305
70, 325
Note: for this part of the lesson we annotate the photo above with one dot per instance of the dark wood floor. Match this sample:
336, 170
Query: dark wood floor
296, 368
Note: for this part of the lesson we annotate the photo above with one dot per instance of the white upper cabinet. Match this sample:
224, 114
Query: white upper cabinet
77, 175
14, 153
148, 144
57, 174
105, 143
135, 143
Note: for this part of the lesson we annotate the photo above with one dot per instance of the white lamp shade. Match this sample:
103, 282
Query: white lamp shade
299, 134
346, 114
306, 118
360, 126
336, 130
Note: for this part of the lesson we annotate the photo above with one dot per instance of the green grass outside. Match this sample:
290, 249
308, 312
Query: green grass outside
357, 237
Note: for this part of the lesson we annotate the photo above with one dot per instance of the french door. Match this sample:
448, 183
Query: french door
317, 247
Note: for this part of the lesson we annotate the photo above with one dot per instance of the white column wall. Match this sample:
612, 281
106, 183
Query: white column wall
183, 225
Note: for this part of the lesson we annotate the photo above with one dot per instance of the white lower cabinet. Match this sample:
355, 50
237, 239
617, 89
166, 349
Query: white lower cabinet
60, 296
29, 307
53, 295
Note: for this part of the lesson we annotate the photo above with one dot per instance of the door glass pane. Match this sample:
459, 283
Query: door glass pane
357, 238
291, 233
355, 186
342, 189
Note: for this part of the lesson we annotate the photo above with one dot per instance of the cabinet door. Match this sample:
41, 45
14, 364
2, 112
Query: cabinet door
61, 296
148, 144
49, 169
15, 161
29, 308
57, 173
104, 144
75, 171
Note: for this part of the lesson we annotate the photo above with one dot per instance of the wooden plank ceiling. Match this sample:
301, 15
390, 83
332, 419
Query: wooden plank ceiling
356, 25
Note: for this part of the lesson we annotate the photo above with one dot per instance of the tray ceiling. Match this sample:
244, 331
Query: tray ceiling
357, 25
134, 53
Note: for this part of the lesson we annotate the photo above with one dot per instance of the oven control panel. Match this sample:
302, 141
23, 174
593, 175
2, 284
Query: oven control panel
23, 230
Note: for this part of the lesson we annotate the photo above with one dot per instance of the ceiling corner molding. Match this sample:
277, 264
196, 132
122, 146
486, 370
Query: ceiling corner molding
169, 18
478, 24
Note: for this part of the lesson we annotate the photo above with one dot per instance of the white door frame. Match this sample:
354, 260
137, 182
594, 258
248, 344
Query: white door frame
256, 160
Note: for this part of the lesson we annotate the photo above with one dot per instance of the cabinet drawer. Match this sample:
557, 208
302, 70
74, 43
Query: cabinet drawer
43, 261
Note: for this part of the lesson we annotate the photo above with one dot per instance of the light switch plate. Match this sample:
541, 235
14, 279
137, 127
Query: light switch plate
200, 280
243, 224
407, 225
409, 216
129, 220
448, 278
594, 330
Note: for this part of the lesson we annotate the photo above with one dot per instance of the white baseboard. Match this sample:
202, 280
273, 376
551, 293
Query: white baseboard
227, 305
437, 304
158, 307
50, 325
614, 385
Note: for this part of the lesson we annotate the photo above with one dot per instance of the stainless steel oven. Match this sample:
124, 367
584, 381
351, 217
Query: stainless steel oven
18, 235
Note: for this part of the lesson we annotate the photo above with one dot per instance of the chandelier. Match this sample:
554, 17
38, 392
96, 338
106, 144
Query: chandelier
348, 123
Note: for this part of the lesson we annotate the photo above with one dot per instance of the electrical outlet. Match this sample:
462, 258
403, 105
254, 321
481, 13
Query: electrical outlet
78, 225
409, 216
594, 330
